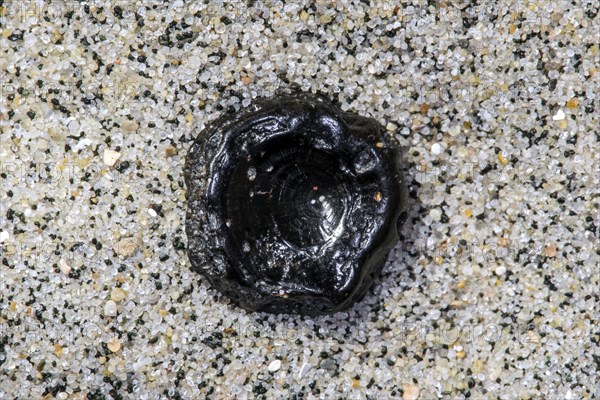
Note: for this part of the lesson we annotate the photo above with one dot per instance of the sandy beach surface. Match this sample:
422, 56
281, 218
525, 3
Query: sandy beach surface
493, 291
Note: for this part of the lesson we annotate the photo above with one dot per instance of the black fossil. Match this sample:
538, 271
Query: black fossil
293, 205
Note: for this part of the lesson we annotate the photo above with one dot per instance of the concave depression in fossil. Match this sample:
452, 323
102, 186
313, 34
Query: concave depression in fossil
293, 204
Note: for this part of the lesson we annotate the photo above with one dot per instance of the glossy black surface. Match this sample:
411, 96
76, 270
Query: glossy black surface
293, 205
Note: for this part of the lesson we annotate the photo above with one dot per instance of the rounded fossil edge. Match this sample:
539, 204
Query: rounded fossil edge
205, 249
